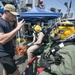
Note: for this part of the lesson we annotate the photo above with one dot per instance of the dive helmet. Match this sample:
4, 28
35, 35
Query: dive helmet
63, 30
37, 28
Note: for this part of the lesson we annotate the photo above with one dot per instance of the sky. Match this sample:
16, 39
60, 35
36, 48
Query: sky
59, 4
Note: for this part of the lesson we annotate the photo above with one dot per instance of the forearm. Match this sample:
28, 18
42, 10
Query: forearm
34, 39
8, 36
38, 42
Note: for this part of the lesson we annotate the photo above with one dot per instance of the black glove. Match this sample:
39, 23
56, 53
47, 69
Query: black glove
45, 61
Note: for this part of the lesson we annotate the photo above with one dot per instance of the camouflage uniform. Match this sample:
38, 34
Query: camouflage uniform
67, 65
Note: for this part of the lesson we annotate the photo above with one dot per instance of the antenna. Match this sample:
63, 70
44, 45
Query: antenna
68, 8
70, 5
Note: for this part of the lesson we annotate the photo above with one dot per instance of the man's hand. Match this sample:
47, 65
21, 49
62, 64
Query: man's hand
20, 24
